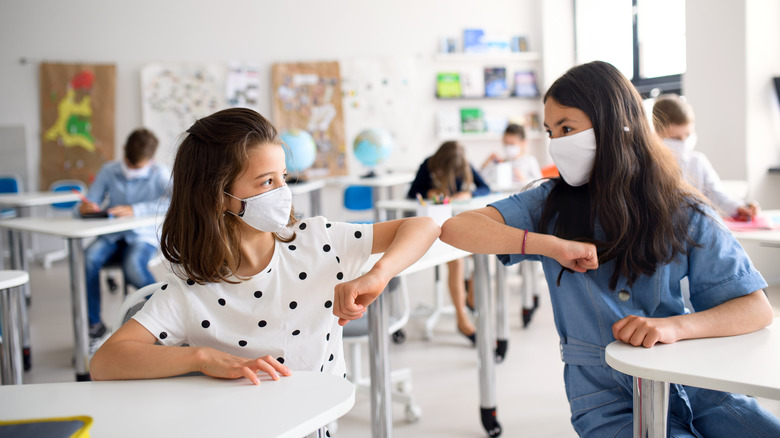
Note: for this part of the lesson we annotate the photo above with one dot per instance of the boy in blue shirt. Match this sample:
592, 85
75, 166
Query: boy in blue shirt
133, 186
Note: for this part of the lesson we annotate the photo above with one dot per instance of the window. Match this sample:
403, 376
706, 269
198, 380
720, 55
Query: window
644, 39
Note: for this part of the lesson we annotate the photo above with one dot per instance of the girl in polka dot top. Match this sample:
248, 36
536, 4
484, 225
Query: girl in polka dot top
252, 289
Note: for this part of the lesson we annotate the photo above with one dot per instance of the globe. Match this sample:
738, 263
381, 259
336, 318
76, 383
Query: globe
373, 146
302, 150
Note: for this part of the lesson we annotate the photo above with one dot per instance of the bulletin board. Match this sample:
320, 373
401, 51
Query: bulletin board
175, 95
77, 120
307, 96
384, 93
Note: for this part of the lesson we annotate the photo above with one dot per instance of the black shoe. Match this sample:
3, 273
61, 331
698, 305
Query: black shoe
472, 337
97, 330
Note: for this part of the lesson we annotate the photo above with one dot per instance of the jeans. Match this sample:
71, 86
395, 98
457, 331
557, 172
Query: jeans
134, 259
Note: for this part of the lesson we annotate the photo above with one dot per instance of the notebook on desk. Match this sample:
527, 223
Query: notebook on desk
759, 222
66, 427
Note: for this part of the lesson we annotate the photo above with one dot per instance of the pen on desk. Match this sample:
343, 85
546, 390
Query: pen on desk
81, 196
420, 199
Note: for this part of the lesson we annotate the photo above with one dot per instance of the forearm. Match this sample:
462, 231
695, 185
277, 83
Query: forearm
734, 317
411, 240
130, 359
480, 233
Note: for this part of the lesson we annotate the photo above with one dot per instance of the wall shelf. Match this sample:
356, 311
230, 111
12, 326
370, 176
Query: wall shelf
488, 57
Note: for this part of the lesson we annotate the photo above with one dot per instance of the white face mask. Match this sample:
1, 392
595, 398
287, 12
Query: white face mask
511, 152
269, 211
574, 155
681, 147
136, 173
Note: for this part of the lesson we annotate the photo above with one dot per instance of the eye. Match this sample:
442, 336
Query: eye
268, 182
549, 133
566, 130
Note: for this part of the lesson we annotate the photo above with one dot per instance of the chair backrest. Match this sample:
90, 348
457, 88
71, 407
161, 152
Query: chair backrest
359, 198
133, 303
66, 185
10, 184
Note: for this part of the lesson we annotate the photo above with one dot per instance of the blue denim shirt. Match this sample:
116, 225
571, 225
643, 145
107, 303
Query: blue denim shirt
585, 308
149, 195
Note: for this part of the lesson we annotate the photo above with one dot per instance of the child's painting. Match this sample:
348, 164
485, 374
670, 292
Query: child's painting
307, 96
77, 120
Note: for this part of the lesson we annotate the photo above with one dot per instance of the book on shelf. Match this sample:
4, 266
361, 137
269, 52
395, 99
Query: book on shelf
472, 120
519, 44
472, 82
473, 41
495, 82
525, 84
448, 84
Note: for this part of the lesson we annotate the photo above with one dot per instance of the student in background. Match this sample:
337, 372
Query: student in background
673, 119
253, 289
621, 194
448, 173
133, 186
524, 166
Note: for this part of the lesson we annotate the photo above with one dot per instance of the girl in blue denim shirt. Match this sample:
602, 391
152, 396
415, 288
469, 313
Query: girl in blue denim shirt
615, 236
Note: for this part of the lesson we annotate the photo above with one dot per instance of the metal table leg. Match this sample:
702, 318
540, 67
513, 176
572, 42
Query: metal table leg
10, 308
19, 261
651, 408
502, 310
485, 343
78, 298
381, 394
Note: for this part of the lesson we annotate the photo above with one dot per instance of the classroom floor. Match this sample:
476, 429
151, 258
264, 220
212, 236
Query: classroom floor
531, 397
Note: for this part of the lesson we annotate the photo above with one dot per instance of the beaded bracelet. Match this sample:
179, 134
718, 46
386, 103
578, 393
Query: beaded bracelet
525, 237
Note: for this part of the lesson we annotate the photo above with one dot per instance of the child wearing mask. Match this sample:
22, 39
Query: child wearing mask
525, 168
673, 120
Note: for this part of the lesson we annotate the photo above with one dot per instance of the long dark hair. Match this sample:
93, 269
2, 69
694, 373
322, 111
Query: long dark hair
197, 237
636, 191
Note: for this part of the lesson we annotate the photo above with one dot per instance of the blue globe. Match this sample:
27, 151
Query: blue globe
373, 146
302, 150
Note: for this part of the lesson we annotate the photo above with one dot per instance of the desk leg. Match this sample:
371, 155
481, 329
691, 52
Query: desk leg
502, 311
651, 408
485, 343
381, 395
19, 261
78, 299
11, 301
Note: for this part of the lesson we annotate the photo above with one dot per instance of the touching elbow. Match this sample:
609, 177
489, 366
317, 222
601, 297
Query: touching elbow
448, 231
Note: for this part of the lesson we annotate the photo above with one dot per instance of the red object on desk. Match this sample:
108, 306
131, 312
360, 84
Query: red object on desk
759, 222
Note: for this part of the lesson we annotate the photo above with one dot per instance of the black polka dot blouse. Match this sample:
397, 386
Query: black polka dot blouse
285, 311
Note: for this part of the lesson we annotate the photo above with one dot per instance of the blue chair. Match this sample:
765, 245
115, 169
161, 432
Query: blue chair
359, 199
10, 184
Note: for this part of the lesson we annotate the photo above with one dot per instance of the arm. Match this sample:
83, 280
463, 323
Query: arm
737, 316
130, 353
422, 182
96, 193
156, 197
403, 242
482, 187
483, 231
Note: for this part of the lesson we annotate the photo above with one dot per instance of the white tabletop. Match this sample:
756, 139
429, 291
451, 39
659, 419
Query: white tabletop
31, 199
411, 205
380, 180
13, 278
746, 364
79, 228
438, 254
188, 406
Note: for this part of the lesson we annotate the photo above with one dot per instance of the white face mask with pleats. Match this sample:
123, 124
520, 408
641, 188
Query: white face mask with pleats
681, 147
269, 211
574, 155
142, 172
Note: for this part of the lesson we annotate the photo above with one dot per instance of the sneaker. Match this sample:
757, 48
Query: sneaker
97, 330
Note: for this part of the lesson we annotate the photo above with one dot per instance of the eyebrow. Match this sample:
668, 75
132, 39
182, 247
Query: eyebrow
559, 123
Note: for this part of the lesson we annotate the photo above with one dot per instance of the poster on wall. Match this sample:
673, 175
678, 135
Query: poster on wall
307, 96
381, 94
175, 95
242, 86
77, 120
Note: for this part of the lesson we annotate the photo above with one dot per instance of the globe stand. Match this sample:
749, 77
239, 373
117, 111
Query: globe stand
370, 174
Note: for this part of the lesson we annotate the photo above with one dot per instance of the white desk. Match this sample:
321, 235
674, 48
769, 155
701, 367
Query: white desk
761, 246
379, 364
314, 189
74, 230
378, 182
197, 406
33, 199
10, 315
745, 364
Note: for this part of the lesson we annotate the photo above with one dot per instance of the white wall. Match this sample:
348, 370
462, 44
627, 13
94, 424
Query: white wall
132, 33
732, 57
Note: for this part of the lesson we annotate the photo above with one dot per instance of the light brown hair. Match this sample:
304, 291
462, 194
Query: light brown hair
197, 236
448, 166
671, 109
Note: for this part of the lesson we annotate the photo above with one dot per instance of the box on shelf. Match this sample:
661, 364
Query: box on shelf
472, 120
448, 84
473, 41
495, 82
472, 82
525, 84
